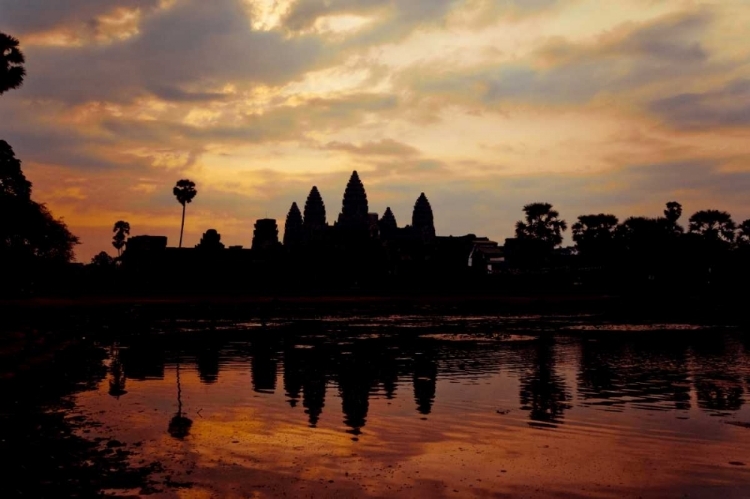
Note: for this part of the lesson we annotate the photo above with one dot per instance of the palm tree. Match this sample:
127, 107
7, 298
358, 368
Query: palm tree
713, 225
672, 214
594, 235
11, 64
184, 191
542, 224
121, 230
743, 236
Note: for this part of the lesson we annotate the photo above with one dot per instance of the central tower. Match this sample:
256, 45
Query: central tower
354, 206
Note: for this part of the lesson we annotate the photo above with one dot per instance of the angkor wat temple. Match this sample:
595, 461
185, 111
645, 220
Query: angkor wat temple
360, 248
355, 221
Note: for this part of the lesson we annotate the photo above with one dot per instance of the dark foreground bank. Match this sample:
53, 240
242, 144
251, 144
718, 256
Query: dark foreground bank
725, 308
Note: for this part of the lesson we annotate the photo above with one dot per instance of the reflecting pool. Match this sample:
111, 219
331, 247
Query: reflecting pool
397, 407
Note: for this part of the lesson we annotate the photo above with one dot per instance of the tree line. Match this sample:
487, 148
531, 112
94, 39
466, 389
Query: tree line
29, 234
595, 235
712, 247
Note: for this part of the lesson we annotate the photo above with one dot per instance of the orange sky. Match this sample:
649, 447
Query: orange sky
484, 105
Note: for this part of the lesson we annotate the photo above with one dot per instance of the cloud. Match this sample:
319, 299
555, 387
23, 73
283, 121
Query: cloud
485, 105
560, 72
304, 13
182, 53
385, 147
24, 17
723, 108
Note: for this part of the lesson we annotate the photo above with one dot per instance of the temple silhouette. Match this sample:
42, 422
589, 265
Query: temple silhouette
355, 222
358, 248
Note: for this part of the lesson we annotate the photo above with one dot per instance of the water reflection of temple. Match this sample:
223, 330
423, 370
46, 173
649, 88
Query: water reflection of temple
611, 374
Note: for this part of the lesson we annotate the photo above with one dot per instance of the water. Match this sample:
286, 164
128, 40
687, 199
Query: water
402, 408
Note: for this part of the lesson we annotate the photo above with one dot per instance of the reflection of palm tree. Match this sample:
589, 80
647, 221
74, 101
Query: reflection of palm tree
179, 425
543, 391
117, 381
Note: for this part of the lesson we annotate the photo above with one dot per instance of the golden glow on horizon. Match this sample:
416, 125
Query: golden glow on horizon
482, 100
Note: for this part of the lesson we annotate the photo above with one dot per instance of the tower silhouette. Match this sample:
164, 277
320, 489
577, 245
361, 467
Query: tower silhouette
354, 207
266, 234
422, 220
293, 227
315, 210
388, 222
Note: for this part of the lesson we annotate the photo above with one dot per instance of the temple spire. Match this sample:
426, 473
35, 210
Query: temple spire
266, 234
354, 207
388, 222
293, 226
315, 210
422, 220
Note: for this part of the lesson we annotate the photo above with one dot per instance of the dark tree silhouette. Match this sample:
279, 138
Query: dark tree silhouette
743, 234
542, 224
32, 232
122, 231
13, 183
102, 260
12, 71
184, 191
713, 225
672, 213
637, 229
211, 240
594, 235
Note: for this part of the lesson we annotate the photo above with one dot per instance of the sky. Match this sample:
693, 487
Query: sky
483, 105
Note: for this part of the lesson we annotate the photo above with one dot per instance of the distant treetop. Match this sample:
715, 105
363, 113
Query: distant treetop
12, 71
542, 224
12, 180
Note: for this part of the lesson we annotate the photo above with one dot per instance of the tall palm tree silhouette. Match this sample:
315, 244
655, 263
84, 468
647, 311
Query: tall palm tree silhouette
542, 223
121, 230
11, 63
184, 191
